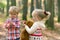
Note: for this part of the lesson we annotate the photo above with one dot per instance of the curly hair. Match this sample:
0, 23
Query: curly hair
14, 9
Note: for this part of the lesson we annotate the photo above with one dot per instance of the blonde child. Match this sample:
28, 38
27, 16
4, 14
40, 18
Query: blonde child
39, 17
12, 24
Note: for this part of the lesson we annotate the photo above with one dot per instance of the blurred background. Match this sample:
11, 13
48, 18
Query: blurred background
26, 7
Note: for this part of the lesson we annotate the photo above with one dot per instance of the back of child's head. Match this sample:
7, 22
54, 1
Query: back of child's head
41, 13
14, 9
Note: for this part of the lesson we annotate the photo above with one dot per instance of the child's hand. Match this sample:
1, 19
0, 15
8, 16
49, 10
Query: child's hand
24, 22
11, 23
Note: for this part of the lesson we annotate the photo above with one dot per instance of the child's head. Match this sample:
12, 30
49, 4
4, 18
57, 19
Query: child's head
39, 14
13, 11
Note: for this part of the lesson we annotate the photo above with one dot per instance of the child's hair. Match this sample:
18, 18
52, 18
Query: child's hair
41, 13
14, 9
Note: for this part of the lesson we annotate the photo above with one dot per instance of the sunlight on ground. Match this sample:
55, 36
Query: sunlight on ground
2, 19
55, 19
2, 33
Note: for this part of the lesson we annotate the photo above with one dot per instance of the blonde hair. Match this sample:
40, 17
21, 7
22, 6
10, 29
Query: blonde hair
14, 9
41, 13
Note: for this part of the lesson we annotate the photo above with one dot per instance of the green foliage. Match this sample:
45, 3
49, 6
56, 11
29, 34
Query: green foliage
2, 5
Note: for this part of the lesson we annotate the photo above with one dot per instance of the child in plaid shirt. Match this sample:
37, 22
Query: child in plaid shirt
12, 24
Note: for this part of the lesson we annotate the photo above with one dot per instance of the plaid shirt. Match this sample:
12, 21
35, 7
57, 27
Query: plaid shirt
13, 30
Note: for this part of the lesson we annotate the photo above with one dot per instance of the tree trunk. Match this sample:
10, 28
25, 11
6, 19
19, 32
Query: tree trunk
7, 8
32, 7
40, 4
37, 4
25, 8
58, 10
50, 22
13, 2
45, 4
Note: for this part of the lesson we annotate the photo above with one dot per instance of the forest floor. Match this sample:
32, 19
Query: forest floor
48, 34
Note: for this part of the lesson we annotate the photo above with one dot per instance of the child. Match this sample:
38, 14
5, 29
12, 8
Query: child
39, 17
12, 24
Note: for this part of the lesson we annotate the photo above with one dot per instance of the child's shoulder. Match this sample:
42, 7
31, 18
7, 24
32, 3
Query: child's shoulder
40, 23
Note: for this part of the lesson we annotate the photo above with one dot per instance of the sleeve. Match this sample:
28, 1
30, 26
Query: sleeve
42, 26
6, 24
32, 29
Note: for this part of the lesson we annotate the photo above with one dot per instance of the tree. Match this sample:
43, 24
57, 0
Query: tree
7, 8
37, 4
13, 2
58, 10
45, 4
50, 22
25, 8
40, 4
32, 7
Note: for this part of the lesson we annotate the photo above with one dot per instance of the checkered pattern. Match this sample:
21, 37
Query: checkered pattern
13, 30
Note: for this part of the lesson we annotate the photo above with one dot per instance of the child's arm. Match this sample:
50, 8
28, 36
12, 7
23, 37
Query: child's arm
32, 29
42, 26
6, 24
